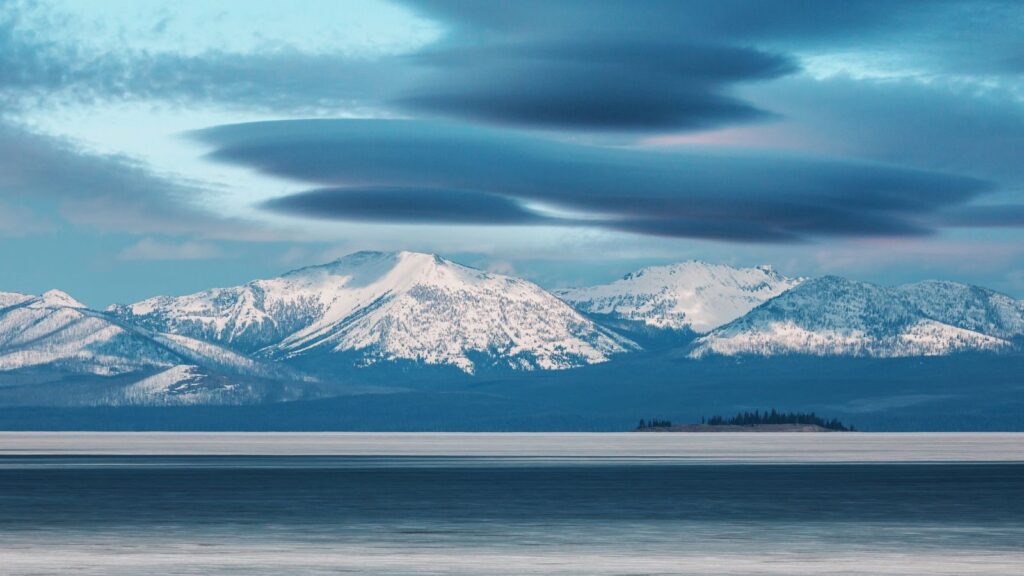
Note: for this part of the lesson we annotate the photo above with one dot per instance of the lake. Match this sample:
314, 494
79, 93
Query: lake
394, 504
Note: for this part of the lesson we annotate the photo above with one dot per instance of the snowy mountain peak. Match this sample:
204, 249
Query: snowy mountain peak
365, 258
8, 299
836, 316
59, 299
397, 269
386, 306
49, 299
692, 295
970, 307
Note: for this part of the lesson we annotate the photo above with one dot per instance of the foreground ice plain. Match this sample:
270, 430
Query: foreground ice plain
661, 447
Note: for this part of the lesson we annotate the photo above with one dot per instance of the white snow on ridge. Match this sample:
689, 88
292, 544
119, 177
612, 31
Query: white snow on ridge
55, 328
837, 317
8, 299
969, 307
931, 338
386, 307
372, 308
162, 384
211, 353
56, 331
924, 338
59, 298
690, 295
182, 384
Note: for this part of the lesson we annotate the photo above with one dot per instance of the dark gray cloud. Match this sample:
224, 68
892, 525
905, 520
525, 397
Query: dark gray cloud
586, 66
740, 19
606, 65
603, 65
592, 66
406, 205
597, 85
742, 197
987, 26
585, 83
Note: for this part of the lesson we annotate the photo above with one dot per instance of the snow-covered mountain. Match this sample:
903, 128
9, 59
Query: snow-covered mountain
297, 335
58, 336
56, 330
834, 316
693, 295
969, 307
380, 307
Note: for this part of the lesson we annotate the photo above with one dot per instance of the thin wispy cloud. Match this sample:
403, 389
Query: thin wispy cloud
152, 249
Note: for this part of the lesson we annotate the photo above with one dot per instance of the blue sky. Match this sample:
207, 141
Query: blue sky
161, 148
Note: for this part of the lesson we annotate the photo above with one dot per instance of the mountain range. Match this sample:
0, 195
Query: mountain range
833, 316
387, 307
376, 322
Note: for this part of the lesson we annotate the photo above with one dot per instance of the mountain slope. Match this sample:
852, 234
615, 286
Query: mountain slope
54, 329
833, 316
378, 307
57, 339
969, 307
693, 295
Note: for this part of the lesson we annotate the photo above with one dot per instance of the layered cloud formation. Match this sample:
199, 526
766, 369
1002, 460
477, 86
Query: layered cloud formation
762, 123
416, 171
593, 85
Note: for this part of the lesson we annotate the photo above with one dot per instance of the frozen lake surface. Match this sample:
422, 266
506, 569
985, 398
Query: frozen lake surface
511, 504
663, 447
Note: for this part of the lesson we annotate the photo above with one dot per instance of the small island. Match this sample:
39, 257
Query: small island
757, 421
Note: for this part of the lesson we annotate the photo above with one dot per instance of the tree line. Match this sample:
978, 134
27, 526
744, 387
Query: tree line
653, 423
758, 418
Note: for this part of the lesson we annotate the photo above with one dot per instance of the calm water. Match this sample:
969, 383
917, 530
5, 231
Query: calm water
501, 514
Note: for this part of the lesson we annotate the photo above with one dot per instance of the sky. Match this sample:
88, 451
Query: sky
155, 147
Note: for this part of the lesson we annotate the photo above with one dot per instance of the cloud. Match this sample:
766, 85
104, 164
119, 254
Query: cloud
928, 125
923, 125
111, 193
599, 85
608, 66
965, 34
150, 249
984, 216
405, 205
18, 221
739, 197
594, 84
592, 66
503, 267
746, 20
40, 68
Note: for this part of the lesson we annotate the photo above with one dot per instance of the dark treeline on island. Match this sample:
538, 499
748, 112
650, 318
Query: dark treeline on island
771, 420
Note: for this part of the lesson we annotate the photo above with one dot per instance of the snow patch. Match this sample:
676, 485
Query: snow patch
388, 306
690, 295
